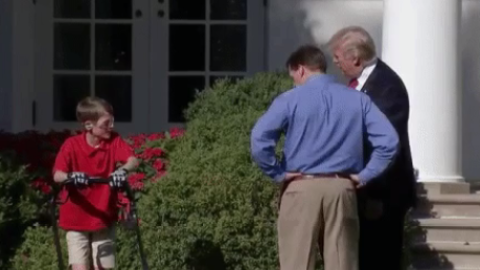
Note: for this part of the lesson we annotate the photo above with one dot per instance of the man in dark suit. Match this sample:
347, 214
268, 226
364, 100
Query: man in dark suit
385, 201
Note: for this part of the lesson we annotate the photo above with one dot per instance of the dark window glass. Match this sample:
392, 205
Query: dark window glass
113, 47
228, 48
228, 9
187, 9
118, 91
113, 9
187, 47
71, 9
68, 90
182, 90
71, 46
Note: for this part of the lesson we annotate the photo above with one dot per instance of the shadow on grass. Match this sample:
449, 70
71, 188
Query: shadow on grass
205, 255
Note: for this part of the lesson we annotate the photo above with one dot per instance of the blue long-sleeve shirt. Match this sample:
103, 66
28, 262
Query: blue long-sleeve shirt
324, 124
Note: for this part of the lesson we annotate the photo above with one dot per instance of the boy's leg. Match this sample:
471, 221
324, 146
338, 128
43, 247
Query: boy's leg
103, 249
78, 250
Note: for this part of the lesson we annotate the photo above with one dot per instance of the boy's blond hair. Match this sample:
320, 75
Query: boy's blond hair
92, 108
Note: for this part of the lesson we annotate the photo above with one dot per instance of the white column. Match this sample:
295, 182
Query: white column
421, 43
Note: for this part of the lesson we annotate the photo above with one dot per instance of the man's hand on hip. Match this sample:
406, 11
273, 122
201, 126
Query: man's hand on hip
355, 180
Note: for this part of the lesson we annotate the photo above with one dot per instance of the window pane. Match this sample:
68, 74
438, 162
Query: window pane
113, 9
233, 79
228, 9
228, 48
187, 47
68, 90
71, 46
118, 91
182, 90
187, 9
113, 47
72, 9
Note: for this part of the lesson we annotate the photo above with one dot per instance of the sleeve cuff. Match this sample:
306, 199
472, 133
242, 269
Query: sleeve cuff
364, 178
280, 177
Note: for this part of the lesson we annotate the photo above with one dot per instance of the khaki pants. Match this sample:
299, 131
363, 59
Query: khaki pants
98, 245
319, 211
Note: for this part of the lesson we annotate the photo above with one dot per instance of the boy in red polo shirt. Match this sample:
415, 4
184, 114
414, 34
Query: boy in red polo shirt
90, 212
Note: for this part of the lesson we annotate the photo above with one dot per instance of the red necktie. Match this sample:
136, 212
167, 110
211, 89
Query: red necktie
353, 83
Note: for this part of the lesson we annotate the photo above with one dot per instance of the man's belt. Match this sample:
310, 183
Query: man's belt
323, 175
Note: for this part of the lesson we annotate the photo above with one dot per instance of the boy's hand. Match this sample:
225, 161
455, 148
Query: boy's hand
118, 178
78, 178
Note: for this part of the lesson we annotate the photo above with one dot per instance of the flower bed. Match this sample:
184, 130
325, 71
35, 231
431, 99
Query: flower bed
28, 158
38, 151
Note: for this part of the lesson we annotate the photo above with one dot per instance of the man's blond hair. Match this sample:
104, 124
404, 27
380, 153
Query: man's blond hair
355, 42
92, 108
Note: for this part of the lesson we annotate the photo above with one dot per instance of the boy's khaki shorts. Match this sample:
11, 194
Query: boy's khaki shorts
99, 245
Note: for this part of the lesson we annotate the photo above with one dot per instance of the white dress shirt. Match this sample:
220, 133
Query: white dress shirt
367, 71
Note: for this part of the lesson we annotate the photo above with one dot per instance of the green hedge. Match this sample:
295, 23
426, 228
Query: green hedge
18, 206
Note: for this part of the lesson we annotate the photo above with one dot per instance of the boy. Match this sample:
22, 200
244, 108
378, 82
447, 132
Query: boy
89, 213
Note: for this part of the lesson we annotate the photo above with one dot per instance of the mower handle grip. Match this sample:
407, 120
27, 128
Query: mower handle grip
91, 180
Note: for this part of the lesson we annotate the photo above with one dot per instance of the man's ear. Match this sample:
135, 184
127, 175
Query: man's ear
88, 125
357, 62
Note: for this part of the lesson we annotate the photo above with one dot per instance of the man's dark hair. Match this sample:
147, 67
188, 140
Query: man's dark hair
309, 56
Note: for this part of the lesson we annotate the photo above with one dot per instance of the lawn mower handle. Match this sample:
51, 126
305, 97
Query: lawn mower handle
91, 180
106, 181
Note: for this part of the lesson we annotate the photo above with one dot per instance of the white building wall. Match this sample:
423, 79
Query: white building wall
6, 75
295, 22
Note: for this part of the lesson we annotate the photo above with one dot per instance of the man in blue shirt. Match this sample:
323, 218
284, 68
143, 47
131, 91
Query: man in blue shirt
325, 124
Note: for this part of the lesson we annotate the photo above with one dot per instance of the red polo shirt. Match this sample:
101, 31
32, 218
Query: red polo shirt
92, 207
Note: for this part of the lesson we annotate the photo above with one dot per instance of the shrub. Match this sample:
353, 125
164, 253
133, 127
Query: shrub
38, 250
18, 206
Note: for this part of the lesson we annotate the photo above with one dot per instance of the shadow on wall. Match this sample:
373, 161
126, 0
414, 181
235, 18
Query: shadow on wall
470, 79
296, 22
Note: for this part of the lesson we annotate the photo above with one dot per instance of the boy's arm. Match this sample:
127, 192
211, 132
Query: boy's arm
124, 154
60, 177
62, 163
131, 164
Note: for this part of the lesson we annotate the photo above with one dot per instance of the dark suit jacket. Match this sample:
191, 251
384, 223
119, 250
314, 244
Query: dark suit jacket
396, 187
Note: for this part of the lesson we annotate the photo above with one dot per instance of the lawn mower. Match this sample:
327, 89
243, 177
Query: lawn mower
132, 217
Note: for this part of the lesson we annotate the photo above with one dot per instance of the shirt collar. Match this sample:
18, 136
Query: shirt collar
367, 71
322, 77
90, 149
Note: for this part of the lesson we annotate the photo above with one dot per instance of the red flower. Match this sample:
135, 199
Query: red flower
158, 165
135, 180
42, 185
176, 132
156, 136
150, 153
138, 141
